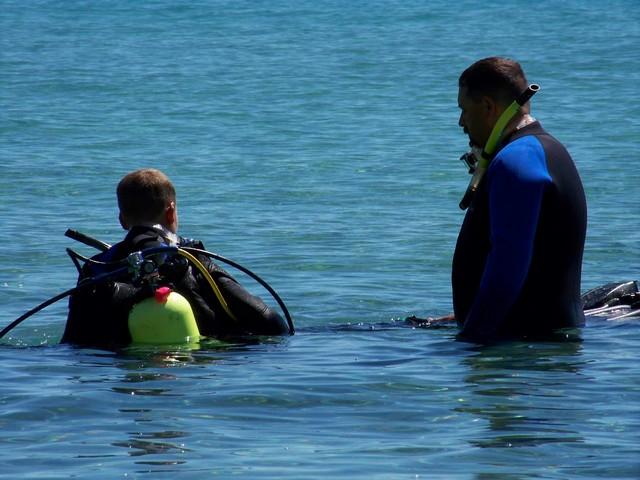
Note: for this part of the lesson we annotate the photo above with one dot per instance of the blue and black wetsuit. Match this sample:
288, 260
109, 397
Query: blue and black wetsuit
518, 260
98, 316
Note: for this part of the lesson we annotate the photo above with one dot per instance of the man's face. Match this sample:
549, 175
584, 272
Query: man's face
476, 117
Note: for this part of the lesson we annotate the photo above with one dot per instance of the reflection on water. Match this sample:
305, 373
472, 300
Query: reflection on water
137, 360
144, 391
147, 377
140, 444
523, 392
395, 402
146, 374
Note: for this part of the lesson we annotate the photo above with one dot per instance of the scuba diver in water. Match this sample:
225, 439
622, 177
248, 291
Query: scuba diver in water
518, 258
222, 308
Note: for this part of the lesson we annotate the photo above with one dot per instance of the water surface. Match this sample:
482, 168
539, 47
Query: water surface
317, 144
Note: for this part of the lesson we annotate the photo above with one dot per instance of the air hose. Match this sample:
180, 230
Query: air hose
268, 287
88, 283
185, 252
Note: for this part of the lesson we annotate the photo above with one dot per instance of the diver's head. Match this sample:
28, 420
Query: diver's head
147, 197
486, 89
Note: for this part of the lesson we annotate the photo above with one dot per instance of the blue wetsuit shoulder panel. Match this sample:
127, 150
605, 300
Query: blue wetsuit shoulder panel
517, 178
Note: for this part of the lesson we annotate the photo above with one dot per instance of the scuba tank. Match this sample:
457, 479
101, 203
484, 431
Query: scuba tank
142, 305
158, 314
167, 317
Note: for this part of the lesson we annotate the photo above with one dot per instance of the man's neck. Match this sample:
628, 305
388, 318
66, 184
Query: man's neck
170, 236
518, 122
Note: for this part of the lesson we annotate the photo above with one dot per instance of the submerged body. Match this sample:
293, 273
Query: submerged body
518, 259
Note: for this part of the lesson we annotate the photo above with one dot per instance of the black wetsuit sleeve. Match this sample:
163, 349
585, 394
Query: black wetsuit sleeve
250, 311
253, 315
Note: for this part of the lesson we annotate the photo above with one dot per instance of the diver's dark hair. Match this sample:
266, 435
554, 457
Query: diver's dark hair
144, 194
497, 77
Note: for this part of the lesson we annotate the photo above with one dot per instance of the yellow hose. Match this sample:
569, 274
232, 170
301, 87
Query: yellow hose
210, 280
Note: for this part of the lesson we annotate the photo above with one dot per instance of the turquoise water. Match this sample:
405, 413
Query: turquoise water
316, 143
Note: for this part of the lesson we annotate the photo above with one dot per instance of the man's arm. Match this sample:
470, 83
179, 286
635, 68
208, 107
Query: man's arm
252, 314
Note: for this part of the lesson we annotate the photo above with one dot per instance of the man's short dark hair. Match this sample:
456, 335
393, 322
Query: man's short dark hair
144, 194
499, 78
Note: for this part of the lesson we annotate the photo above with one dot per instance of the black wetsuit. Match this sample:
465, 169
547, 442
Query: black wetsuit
518, 260
98, 316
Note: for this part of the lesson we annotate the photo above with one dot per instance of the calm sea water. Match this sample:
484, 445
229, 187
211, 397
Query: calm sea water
316, 143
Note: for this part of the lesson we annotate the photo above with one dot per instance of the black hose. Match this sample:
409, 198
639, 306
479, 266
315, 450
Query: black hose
82, 285
74, 258
87, 240
268, 287
150, 251
215, 256
22, 318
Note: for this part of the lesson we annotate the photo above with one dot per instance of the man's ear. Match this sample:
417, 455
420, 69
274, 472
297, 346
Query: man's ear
491, 108
123, 223
489, 105
171, 215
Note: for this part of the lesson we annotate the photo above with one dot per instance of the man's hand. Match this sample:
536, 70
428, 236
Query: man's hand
431, 321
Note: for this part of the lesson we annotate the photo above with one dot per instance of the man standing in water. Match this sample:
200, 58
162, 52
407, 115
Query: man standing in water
518, 259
